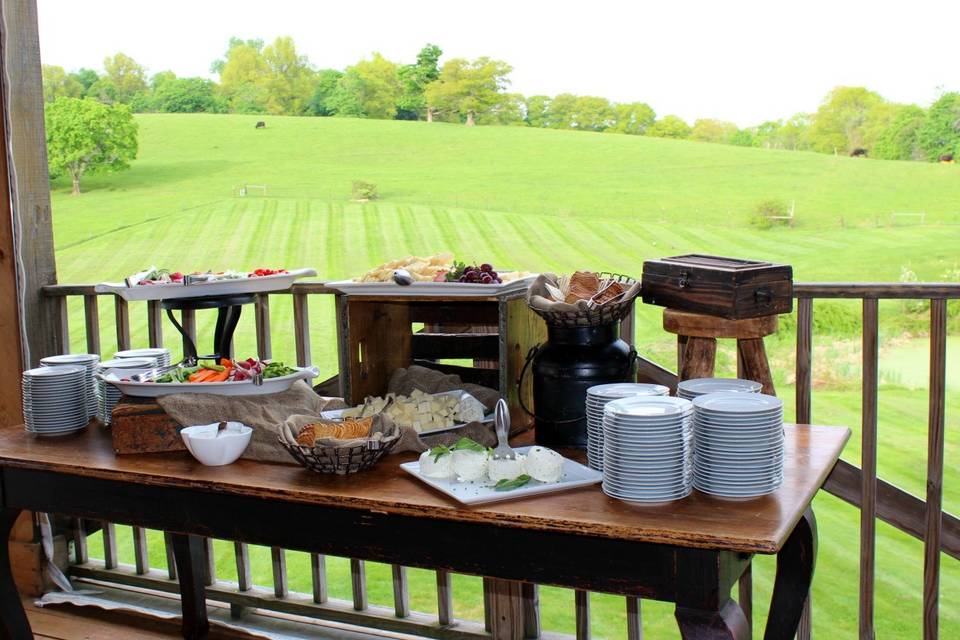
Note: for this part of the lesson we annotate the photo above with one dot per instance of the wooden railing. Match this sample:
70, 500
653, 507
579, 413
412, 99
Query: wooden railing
923, 519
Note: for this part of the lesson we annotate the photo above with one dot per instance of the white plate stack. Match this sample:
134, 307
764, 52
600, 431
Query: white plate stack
55, 400
597, 398
697, 387
107, 394
647, 449
89, 363
159, 355
738, 442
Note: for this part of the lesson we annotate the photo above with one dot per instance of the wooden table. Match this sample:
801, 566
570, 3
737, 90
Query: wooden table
689, 552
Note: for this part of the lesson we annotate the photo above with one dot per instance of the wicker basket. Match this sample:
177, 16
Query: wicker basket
353, 456
562, 314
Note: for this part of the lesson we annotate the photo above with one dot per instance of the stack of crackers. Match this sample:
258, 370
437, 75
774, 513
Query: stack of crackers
349, 429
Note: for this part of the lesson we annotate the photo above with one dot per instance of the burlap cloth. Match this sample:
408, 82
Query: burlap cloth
267, 413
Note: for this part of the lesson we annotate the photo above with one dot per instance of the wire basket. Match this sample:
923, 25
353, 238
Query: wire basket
561, 314
341, 460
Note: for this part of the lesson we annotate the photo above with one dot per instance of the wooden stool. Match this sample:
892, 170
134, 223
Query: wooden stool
697, 344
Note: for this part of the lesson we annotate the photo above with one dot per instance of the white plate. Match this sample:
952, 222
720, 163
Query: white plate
703, 386
170, 291
615, 390
738, 403
648, 407
574, 475
244, 388
391, 288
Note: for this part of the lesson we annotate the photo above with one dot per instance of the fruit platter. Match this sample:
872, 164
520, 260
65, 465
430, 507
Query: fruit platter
439, 274
248, 377
165, 284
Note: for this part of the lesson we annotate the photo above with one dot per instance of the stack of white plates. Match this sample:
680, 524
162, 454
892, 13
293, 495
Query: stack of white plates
647, 449
55, 400
89, 363
696, 387
738, 444
160, 355
107, 394
597, 398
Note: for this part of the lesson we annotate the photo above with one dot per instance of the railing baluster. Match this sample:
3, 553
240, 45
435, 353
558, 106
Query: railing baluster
868, 463
244, 576
278, 558
358, 583
401, 594
80, 554
154, 323
91, 319
141, 558
171, 562
582, 601
935, 434
109, 533
262, 319
63, 337
121, 313
634, 619
745, 595
318, 570
530, 593
488, 604
444, 598
301, 329
210, 568
188, 320
804, 359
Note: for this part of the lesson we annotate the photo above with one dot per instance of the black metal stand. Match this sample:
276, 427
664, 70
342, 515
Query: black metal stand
228, 315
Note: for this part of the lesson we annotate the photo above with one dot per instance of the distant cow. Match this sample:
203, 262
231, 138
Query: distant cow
261, 125
946, 158
859, 152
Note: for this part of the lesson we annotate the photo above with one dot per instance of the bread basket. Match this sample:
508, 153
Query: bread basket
340, 457
583, 313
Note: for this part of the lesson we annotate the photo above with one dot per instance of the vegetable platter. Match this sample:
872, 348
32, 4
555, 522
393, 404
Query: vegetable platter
160, 284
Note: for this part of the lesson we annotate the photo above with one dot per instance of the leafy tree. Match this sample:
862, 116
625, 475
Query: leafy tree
469, 87
86, 77
592, 113
414, 79
633, 118
241, 71
288, 78
711, 130
326, 86
127, 77
561, 112
669, 127
218, 65
940, 133
767, 135
795, 132
57, 83
509, 110
900, 140
840, 123
742, 138
536, 108
188, 95
368, 89
103, 90
160, 78
86, 136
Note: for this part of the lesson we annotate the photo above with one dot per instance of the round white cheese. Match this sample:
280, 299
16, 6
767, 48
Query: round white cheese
469, 465
545, 465
436, 467
504, 469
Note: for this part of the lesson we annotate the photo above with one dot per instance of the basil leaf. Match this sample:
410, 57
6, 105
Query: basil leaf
439, 451
509, 485
466, 444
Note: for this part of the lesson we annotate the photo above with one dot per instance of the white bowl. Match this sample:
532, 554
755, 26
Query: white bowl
216, 449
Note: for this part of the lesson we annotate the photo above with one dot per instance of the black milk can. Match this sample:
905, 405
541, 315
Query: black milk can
572, 361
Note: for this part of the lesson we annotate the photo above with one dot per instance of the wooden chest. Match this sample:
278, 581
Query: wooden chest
713, 285
139, 425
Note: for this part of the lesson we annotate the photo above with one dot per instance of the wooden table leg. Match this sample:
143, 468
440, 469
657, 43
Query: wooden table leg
189, 554
795, 564
727, 623
704, 608
13, 619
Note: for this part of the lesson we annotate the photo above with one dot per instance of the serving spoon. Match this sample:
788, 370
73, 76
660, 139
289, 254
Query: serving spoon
402, 277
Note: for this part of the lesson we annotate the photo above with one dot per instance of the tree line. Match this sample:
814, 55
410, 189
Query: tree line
259, 78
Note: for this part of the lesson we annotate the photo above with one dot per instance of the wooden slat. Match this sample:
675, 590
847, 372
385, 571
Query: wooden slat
154, 324
531, 609
745, 595
241, 553
506, 608
210, 562
804, 370
109, 534
634, 619
471, 313
875, 290
868, 463
121, 313
444, 598
62, 311
649, 371
401, 593
168, 550
278, 560
935, 435
141, 557
91, 321
80, 553
188, 320
358, 583
436, 346
318, 571
582, 604
301, 329
475, 375
488, 604
262, 318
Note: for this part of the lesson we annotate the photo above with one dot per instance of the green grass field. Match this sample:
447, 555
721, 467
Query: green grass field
551, 200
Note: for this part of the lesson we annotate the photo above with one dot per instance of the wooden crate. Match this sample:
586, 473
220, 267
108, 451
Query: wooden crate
379, 334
